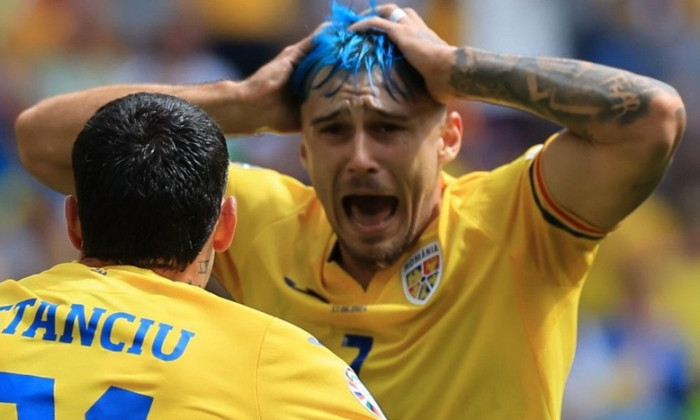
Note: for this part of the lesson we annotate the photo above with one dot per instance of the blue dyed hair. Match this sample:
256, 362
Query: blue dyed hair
348, 53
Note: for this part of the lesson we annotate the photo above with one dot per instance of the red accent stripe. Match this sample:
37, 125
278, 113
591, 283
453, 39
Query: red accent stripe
561, 213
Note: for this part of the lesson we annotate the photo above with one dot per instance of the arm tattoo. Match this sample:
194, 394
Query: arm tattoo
569, 92
203, 265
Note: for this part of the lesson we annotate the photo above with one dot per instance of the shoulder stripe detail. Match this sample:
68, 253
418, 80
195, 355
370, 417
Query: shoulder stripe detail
552, 212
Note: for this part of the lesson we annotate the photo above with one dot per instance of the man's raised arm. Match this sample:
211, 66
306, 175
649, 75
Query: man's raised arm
46, 131
621, 128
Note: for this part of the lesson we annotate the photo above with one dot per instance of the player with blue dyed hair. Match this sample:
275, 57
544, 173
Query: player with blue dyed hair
344, 54
451, 297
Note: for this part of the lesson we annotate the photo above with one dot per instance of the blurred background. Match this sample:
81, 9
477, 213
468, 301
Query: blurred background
638, 352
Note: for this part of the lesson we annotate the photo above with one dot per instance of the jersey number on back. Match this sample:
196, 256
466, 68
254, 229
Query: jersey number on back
33, 396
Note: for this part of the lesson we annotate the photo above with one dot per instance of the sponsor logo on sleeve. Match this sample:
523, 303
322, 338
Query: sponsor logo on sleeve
360, 392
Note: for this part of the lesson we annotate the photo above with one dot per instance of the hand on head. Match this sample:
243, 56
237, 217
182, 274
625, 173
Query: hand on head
422, 47
272, 102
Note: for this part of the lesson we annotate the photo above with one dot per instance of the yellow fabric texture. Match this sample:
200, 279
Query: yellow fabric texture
488, 332
181, 351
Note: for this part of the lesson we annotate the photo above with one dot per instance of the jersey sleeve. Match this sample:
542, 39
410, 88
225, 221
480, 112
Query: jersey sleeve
299, 378
550, 210
512, 206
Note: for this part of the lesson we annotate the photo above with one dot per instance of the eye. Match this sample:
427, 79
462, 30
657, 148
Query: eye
333, 129
388, 127
388, 130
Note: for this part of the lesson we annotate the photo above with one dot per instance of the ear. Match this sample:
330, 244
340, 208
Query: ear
451, 137
226, 225
75, 231
303, 153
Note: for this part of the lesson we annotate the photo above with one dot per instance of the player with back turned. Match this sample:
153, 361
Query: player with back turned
127, 332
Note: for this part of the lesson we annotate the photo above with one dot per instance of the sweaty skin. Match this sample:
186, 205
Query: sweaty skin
374, 161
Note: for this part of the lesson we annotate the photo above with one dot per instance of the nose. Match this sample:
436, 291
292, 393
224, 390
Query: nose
362, 158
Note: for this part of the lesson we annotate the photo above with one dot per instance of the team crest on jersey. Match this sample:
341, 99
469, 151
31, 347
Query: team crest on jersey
362, 394
421, 273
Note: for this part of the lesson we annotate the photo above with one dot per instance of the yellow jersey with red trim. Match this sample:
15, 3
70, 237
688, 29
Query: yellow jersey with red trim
119, 342
476, 321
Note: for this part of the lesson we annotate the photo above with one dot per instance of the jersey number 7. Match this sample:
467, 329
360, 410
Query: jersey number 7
362, 342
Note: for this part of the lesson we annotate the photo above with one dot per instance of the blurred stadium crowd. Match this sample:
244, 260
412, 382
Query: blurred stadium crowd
638, 353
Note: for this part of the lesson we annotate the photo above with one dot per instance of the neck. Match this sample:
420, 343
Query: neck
361, 273
195, 274
360, 270
190, 275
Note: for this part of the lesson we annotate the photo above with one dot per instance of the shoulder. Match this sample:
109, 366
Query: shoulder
495, 203
242, 175
484, 193
295, 369
292, 350
501, 177
261, 187
53, 277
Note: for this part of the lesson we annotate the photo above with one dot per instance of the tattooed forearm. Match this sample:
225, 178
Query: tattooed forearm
571, 93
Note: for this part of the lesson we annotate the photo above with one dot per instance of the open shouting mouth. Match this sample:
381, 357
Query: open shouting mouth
370, 212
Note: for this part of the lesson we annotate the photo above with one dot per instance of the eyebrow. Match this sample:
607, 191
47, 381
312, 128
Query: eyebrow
327, 117
382, 113
389, 115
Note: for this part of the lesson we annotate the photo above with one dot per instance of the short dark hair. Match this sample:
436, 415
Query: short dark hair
348, 54
150, 173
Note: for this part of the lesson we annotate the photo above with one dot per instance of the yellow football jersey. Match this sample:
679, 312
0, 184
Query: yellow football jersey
476, 321
119, 343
